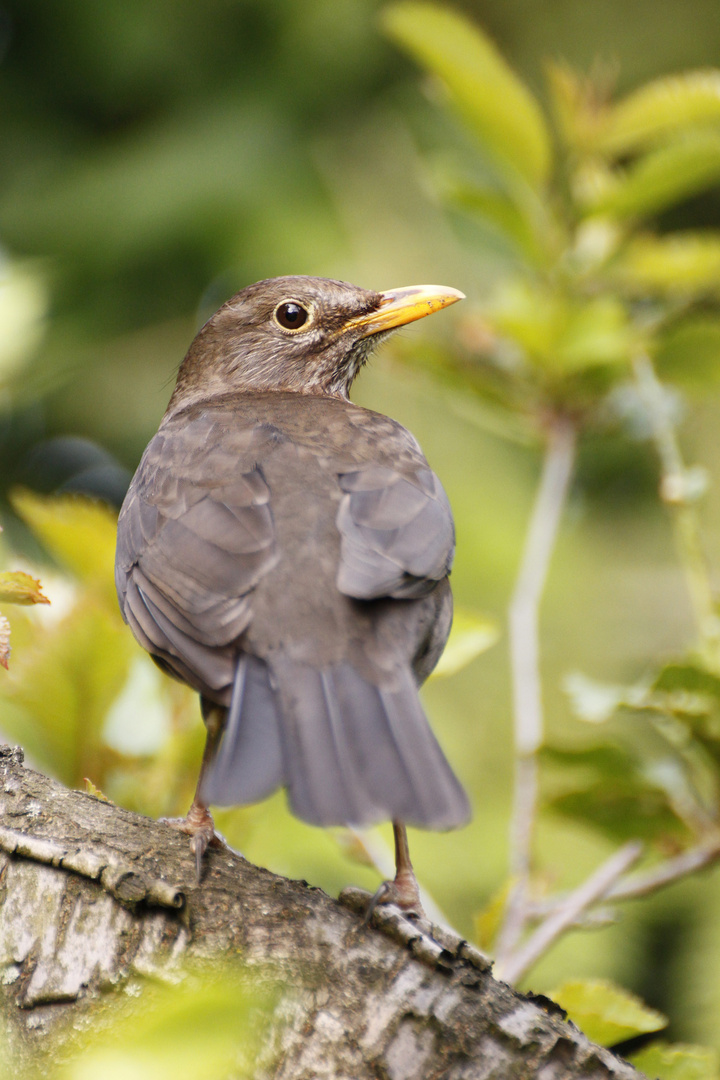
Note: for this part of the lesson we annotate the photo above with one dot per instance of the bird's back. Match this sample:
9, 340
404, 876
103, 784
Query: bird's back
287, 555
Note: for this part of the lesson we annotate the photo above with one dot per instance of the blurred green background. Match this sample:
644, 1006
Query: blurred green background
156, 157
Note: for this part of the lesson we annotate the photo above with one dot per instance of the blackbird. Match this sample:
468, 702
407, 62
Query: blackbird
286, 553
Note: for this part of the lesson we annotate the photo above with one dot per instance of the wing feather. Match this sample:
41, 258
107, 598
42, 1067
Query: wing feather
397, 534
195, 536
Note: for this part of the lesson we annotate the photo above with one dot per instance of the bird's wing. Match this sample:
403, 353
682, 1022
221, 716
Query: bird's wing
195, 535
397, 534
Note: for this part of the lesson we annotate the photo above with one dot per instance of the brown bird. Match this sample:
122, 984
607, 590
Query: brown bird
286, 553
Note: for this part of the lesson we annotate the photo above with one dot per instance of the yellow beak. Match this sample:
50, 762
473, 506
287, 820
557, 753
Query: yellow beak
401, 306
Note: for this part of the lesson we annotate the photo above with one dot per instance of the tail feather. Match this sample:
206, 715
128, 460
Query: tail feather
440, 801
248, 765
349, 752
355, 753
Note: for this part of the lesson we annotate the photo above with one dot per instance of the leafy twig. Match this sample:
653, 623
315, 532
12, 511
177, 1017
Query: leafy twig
635, 885
676, 492
597, 887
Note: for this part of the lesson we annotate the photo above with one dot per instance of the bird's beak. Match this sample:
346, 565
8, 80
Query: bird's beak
401, 306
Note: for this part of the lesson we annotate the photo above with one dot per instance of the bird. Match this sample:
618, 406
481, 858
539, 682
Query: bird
285, 552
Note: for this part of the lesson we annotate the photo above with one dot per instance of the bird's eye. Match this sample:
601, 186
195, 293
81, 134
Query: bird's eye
291, 316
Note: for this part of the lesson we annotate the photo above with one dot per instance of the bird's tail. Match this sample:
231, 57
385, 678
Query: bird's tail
348, 751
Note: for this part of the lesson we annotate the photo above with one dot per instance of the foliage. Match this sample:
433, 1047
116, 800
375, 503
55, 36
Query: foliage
606, 1013
69, 696
677, 1062
596, 301
152, 178
202, 1025
16, 587
471, 635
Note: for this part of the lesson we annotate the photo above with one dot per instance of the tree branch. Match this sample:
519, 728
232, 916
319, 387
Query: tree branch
396, 999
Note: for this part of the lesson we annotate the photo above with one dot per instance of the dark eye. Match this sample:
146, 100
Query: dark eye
291, 315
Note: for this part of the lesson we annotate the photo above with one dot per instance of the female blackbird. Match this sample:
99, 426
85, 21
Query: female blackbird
286, 553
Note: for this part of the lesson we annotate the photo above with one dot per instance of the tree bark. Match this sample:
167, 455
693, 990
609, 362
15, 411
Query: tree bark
92, 896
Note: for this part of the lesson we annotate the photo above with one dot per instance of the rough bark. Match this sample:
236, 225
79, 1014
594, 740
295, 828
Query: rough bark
92, 895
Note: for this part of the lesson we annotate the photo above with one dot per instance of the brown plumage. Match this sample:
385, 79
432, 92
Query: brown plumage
286, 553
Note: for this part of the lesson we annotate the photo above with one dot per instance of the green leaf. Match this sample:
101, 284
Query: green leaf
622, 812
65, 683
17, 587
689, 352
490, 98
561, 335
662, 108
605, 1012
596, 702
688, 678
592, 701
488, 921
624, 798
203, 1028
665, 176
501, 212
597, 333
471, 635
79, 532
680, 263
677, 1061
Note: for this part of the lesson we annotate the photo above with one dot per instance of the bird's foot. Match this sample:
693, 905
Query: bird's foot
200, 827
402, 891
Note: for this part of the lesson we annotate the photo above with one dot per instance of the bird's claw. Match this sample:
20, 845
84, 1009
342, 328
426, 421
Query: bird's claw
403, 891
200, 827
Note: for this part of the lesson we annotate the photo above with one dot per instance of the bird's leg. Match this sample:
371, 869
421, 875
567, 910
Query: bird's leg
198, 822
404, 889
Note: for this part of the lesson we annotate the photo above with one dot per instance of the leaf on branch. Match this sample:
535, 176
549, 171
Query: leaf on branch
489, 921
665, 176
605, 1012
78, 532
662, 108
688, 678
693, 682
623, 796
597, 702
677, 1061
689, 352
678, 264
562, 335
471, 635
64, 684
501, 212
592, 701
206, 1026
93, 790
16, 587
490, 98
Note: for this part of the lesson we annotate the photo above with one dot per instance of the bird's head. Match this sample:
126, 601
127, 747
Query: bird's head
298, 334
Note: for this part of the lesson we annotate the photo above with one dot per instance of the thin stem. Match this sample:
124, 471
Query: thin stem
675, 494
524, 658
567, 913
633, 886
636, 885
